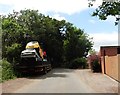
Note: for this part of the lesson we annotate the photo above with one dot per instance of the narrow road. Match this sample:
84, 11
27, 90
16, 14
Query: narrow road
69, 81
57, 81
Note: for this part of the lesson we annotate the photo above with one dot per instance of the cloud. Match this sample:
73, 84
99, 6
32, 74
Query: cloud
104, 39
58, 6
110, 19
97, 3
58, 17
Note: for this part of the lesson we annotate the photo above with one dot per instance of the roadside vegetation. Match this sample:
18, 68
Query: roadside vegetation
65, 44
94, 61
62, 41
6, 71
95, 66
0, 72
78, 63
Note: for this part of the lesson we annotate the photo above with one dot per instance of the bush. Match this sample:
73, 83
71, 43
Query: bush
0, 72
13, 53
6, 70
78, 63
95, 66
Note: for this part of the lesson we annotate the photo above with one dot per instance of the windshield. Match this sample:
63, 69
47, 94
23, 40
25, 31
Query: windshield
30, 49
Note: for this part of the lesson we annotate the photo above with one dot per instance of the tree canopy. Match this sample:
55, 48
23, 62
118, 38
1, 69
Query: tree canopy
108, 8
60, 39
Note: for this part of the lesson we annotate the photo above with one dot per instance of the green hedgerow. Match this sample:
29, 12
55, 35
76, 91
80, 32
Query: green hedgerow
13, 53
7, 71
78, 63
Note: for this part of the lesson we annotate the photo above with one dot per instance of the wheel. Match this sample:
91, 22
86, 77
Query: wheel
44, 70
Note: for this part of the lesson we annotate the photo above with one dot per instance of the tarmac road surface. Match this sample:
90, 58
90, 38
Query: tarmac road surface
70, 81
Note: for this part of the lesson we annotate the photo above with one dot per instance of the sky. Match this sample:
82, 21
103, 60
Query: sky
77, 12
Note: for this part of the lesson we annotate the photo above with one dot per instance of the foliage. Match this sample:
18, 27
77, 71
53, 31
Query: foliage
7, 71
0, 72
78, 63
13, 52
95, 66
107, 9
92, 52
60, 39
77, 44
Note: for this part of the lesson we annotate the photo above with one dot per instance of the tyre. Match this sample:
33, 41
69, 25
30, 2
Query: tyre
44, 70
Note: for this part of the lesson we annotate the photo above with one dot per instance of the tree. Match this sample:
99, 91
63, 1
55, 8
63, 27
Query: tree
60, 39
92, 51
19, 25
11, 33
77, 43
107, 9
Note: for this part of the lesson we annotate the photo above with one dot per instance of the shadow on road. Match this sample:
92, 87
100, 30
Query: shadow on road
57, 72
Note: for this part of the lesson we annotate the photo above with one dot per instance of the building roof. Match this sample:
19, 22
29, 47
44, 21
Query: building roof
110, 47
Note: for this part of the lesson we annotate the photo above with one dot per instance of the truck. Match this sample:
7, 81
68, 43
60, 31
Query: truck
33, 59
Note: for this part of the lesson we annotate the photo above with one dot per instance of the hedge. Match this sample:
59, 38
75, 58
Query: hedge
78, 63
6, 71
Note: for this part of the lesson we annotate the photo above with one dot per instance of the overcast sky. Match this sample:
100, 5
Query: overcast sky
104, 33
